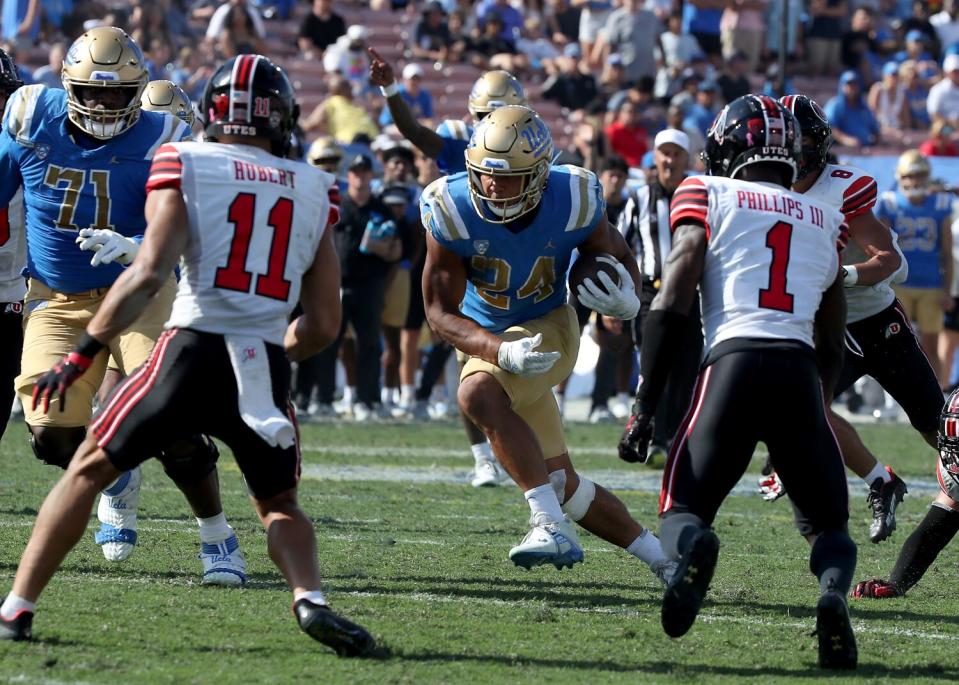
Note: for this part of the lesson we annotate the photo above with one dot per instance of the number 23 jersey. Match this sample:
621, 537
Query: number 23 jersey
67, 186
770, 255
255, 222
516, 275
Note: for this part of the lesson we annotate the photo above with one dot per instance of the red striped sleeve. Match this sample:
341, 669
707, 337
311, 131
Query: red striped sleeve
690, 203
167, 169
334, 195
860, 197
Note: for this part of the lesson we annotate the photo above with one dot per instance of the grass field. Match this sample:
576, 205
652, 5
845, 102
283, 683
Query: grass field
420, 558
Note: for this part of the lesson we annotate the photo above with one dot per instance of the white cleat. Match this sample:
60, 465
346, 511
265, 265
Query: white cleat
548, 543
487, 474
664, 569
223, 563
117, 513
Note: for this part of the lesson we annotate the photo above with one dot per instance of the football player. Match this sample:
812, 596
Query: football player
879, 339
447, 145
766, 264
166, 96
940, 524
499, 240
82, 156
251, 228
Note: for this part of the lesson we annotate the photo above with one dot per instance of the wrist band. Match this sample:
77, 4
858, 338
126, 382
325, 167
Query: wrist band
88, 346
850, 276
390, 90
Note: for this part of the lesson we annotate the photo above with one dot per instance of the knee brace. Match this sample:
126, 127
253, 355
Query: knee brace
190, 460
579, 502
56, 446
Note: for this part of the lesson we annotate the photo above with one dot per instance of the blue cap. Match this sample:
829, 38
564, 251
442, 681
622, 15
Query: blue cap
649, 160
915, 35
848, 76
890, 68
572, 50
614, 59
708, 85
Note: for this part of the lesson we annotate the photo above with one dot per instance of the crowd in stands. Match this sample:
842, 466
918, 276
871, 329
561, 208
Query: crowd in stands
608, 75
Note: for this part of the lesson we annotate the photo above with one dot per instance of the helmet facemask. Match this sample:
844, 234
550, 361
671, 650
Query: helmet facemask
948, 440
99, 121
509, 208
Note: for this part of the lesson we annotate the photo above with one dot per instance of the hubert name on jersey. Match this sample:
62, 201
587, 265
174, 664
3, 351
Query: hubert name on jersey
247, 171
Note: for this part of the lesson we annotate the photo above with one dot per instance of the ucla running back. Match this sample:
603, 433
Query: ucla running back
82, 155
499, 241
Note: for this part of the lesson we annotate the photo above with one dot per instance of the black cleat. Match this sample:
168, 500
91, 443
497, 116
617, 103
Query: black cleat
345, 638
837, 644
884, 498
686, 591
20, 627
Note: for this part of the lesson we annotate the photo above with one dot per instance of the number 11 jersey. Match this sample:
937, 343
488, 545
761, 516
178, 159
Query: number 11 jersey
771, 253
255, 222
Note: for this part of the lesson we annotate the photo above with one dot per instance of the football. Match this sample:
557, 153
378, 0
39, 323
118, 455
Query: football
589, 266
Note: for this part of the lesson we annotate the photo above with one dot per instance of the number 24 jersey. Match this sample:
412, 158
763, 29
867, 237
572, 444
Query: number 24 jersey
771, 253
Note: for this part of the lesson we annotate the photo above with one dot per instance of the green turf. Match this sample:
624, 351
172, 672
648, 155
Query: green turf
424, 566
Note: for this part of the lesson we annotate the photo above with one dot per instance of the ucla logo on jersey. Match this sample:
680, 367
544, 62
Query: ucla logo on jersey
42, 150
481, 246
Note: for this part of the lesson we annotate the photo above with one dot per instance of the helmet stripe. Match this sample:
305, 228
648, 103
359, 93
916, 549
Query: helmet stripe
241, 86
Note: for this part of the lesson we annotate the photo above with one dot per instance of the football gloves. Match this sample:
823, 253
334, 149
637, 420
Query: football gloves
55, 382
520, 357
770, 487
619, 302
634, 443
876, 589
108, 246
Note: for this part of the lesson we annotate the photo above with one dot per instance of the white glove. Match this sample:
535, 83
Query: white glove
519, 357
108, 245
619, 303
771, 488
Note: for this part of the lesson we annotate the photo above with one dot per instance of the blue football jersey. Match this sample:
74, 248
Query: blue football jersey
67, 187
919, 230
515, 276
456, 137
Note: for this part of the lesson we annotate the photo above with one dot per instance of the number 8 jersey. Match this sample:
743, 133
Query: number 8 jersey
255, 222
771, 253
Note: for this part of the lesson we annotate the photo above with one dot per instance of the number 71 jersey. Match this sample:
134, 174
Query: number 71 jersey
255, 222
771, 253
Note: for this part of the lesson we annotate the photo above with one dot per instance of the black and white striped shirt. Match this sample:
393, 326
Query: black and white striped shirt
651, 241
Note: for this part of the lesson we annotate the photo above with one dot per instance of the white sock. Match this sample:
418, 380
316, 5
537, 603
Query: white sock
214, 529
482, 453
349, 394
878, 471
385, 395
407, 393
13, 605
314, 596
622, 398
544, 504
647, 548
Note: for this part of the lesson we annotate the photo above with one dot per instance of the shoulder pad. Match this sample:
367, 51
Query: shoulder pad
439, 214
585, 195
454, 129
20, 109
171, 129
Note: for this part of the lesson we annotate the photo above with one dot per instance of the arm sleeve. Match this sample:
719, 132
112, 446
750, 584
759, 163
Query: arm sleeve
166, 170
859, 197
690, 204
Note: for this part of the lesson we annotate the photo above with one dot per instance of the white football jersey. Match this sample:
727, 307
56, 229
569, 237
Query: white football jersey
13, 251
771, 253
255, 224
853, 192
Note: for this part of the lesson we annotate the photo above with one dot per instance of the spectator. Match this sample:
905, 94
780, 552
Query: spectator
339, 116
147, 24
611, 82
238, 35
627, 136
887, 100
417, 98
941, 141
20, 20
946, 24
219, 24
741, 29
320, 29
701, 113
49, 74
538, 49
919, 21
573, 87
193, 68
853, 124
917, 94
511, 19
159, 54
592, 20
823, 39
734, 82
775, 87
348, 58
676, 119
859, 45
701, 19
563, 22
633, 32
916, 48
794, 30
367, 245
431, 37
677, 48
689, 86
491, 46
943, 102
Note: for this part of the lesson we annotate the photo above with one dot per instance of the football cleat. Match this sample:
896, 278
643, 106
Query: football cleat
770, 487
876, 588
548, 543
687, 589
223, 563
18, 628
884, 498
342, 636
664, 569
837, 644
487, 474
117, 512
601, 414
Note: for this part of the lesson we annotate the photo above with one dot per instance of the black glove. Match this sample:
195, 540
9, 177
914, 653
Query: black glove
634, 443
55, 382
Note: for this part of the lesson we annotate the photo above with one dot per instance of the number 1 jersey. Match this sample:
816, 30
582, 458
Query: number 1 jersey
771, 254
255, 223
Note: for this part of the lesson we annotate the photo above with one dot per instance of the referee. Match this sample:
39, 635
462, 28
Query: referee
644, 222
